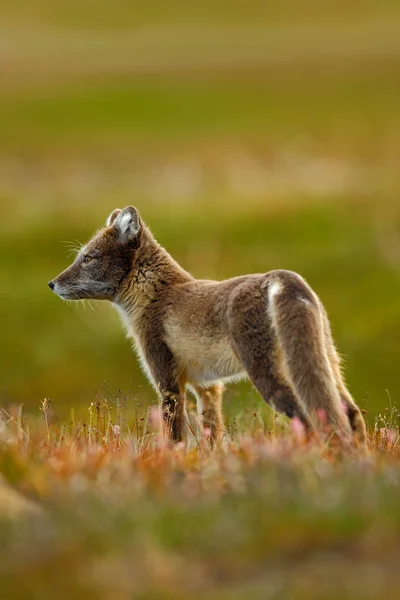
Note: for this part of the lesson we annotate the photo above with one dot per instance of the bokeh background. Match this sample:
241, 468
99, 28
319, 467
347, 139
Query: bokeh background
251, 136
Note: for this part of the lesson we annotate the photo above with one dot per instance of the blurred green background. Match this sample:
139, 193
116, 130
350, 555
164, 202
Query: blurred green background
251, 136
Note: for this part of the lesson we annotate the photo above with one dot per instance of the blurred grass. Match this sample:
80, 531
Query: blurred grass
250, 136
101, 15
356, 112
91, 511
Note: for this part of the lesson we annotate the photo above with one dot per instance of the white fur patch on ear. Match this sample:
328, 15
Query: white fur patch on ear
112, 217
128, 223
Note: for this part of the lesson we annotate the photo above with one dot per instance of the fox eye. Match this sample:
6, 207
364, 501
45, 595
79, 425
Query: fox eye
87, 259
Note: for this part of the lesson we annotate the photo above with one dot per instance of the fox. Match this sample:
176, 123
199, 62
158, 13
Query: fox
198, 335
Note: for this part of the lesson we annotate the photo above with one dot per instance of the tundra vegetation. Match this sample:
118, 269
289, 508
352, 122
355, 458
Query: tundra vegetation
100, 509
251, 136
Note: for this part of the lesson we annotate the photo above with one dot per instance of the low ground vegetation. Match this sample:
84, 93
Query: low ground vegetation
107, 508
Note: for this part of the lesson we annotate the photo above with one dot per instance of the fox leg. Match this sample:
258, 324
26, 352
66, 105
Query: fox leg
283, 400
295, 315
277, 330
255, 343
209, 406
169, 385
172, 403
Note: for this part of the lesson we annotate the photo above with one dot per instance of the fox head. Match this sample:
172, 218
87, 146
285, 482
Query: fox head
103, 263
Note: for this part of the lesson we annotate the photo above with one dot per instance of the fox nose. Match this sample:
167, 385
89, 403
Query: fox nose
51, 285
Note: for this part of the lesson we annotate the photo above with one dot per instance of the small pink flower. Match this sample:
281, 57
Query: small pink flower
207, 432
321, 416
155, 417
298, 429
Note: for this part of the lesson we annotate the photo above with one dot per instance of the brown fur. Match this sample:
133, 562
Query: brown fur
190, 333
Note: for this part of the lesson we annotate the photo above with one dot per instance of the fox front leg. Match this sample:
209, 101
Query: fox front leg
172, 403
162, 367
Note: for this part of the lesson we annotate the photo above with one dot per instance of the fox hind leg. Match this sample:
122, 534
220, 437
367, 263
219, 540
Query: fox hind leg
295, 314
277, 333
255, 343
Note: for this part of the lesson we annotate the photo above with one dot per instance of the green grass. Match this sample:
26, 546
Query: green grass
354, 113
125, 14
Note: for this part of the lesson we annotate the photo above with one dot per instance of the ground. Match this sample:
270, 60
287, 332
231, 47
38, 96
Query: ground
108, 509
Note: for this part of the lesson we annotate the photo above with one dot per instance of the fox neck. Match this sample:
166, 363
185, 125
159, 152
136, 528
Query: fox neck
153, 270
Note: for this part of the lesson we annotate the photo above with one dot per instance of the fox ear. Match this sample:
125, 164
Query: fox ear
112, 217
127, 224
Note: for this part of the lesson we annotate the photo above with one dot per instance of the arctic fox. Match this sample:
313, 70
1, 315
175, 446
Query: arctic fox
196, 334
